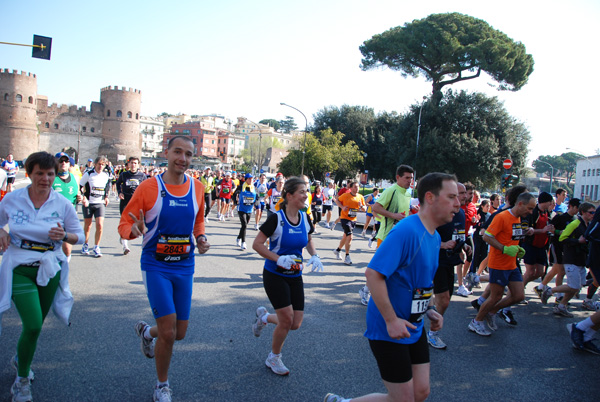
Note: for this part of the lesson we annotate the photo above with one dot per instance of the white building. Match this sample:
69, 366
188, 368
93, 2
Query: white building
587, 178
152, 130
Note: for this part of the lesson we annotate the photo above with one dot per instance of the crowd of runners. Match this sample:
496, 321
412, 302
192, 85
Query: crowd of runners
422, 247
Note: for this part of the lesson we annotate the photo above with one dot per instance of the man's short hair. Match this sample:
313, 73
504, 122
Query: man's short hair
183, 137
133, 158
400, 170
101, 159
513, 193
560, 190
469, 186
525, 198
574, 202
585, 206
432, 182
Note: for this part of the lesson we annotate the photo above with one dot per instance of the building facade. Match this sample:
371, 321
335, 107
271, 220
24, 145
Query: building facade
587, 178
152, 130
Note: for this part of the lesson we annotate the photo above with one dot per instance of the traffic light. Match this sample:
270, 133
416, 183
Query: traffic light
505, 181
513, 180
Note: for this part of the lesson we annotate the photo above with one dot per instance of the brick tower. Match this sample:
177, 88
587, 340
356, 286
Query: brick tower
121, 136
18, 114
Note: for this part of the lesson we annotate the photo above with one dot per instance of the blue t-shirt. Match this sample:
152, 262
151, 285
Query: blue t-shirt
408, 258
246, 203
562, 208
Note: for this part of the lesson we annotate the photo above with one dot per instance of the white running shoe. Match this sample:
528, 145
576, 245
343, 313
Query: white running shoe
490, 319
162, 394
85, 249
147, 344
21, 390
276, 365
327, 225
337, 255
333, 398
97, 252
258, 325
14, 361
370, 243
126, 250
238, 241
462, 291
206, 220
256, 227
364, 234
243, 245
435, 341
332, 226
365, 295
479, 328
347, 260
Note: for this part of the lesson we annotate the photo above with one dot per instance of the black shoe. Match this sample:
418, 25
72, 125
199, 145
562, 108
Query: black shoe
589, 346
508, 317
475, 304
577, 337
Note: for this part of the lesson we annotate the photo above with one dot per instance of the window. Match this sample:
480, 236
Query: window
129, 115
19, 98
47, 125
84, 129
213, 141
56, 126
584, 172
92, 129
137, 116
589, 172
176, 131
597, 172
593, 172
119, 113
186, 132
5, 97
108, 113
31, 99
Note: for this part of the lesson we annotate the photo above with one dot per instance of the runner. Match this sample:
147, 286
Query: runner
3, 183
274, 195
127, 183
12, 168
317, 206
536, 253
370, 200
34, 271
226, 189
209, 185
247, 197
328, 194
66, 184
561, 196
503, 235
95, 186
343, 190
168, 212
470, 220
350, 203
261, 193
400, 277
289, 231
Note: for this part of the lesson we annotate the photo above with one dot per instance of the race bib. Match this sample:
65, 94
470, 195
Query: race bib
173, 248
352, 212
248, 200
420, 302
36, 246
296, 268
459, 235
225, 190
518, 231
97, 192
318, 208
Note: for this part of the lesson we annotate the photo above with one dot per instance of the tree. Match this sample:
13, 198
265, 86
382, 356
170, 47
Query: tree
325, 153
272, 123
448, 48
288, 125
563, 164
257, 148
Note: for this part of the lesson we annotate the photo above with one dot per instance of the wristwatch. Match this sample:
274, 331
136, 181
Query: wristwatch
66, 237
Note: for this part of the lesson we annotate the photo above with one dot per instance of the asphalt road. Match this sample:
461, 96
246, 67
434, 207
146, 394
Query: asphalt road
98, 357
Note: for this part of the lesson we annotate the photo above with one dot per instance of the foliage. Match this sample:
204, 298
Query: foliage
563, 164
324, 153
256, 150
271, 122
288, 125
448, 48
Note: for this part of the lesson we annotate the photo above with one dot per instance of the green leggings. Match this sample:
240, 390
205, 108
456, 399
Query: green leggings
33, 303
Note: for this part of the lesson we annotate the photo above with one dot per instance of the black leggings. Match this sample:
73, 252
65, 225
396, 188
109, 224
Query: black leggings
207, 202
244, 218
316, 216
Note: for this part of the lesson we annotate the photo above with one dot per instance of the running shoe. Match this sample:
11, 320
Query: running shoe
576, 336
508, 317
590, 305
539, 291
435, 341
561, 311
147, 344
490, 319
332, 226
364, 234
589, 346
256, 227
333, 398
468, 281
327, 225
475, 304
97, 252
14, 361
162, 394
238, 241
479, 328
21, 390
276, 365
546, 295
337, 255
244, 245
365, 295
258, 325
462, 291
370, 243
85, 249
126, 250
347, 260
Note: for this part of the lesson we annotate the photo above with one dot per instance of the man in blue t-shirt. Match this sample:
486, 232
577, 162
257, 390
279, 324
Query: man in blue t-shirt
400, 277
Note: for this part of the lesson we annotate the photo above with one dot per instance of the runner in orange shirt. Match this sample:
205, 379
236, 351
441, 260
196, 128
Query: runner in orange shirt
350, 204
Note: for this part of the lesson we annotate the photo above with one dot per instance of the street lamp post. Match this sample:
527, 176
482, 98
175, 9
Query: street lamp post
259, 143
364, 169
305, 131
418, 135
551, 173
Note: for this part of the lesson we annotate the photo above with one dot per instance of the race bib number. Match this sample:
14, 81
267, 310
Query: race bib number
173, 248
352, 212
296, 268
261, 195
518, 231
97, 192
226, 190
275, 199
318, 208
459, 235
36, 246
420, 302
248, 200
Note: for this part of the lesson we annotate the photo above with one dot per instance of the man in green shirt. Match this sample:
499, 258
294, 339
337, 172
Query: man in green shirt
67, 185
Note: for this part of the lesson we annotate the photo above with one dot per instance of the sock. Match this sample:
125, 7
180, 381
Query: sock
264, 318
588, 335
146, 333
540, 286
69, 259
481, 300
585, 324
347, 254
271, 355
366, 289
125, 243
160, 384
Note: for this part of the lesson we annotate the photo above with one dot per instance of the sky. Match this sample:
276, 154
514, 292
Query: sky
241, 58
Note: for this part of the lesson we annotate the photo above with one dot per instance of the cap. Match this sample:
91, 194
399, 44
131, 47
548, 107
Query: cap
228, 173
248, 176
207, 168
60, 155
544, 197
279, 174
71, 161
90, 160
